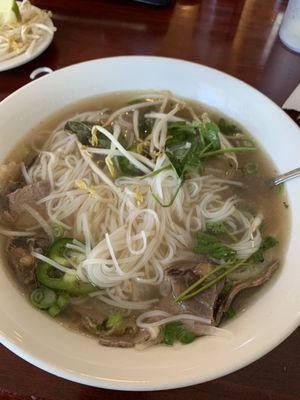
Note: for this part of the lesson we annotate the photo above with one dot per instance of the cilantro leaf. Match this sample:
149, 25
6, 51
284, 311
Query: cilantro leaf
187, 161
145, 127
83, 130
192, 161
176, 163
170, 332
227, 129
212, 247
230, 313
125, 167
267, 244
176, 331
216, 228
250, 168
226, 290
180, 133
210, 133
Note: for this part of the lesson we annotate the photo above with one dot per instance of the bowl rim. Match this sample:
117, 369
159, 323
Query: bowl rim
143, 385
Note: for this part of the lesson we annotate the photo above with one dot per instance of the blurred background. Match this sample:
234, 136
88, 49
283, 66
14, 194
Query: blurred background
239, 37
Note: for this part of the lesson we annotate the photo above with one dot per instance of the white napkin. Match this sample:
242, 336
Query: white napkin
293, 101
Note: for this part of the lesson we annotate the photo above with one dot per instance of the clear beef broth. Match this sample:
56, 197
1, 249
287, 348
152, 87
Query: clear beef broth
255, 195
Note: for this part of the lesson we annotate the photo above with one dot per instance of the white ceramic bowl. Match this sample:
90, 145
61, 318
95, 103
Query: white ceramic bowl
271, 315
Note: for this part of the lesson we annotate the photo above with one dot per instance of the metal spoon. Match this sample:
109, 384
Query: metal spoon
277, 180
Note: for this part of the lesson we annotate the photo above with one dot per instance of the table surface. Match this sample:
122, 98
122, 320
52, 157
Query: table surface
238, 37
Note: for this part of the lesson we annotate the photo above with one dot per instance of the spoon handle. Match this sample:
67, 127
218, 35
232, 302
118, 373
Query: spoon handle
284, 177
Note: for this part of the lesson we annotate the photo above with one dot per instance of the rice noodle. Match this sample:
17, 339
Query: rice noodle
112, 254
123, 235
135, 123
124, 152
166, 318
117, 153
8, 232
225, 144
39, 219
163, 116
27, 178
53, 263
130, 305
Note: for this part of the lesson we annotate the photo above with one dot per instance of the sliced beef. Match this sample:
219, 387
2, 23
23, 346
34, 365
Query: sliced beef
20, 258
258, 280
10, 180
90, 317
181, 277
40, 244
166, 304
8, 217
28, 194
126, 340
126, 334
210, 304
10, 175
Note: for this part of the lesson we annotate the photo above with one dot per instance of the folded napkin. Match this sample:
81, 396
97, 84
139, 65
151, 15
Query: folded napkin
292, 105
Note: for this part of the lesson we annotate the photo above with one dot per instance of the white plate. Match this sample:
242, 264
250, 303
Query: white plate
272, 313
24, 58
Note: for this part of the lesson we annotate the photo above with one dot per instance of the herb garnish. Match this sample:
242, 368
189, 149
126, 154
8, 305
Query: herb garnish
172, 198
267, 243
279, 189
210, 135
220, 228
229, 268
213, 248
250, 168
230, 313
176, 331
145, 127
83, 130
189, 143
227, 129
209, 245
180, 133
226, 290
125, 167
110, 322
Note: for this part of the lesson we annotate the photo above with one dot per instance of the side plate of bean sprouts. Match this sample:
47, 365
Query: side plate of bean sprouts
22, 41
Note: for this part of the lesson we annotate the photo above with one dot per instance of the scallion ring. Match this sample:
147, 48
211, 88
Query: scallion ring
43, 298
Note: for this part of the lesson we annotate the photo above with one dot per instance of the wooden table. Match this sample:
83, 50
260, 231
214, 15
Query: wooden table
238, 37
